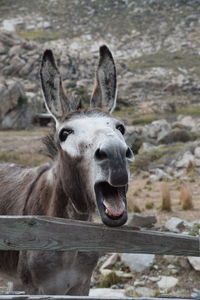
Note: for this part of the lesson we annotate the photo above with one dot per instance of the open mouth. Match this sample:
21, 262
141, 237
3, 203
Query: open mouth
111, 202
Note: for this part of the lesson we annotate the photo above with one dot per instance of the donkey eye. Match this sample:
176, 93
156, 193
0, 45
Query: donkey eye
121, 128
64, 134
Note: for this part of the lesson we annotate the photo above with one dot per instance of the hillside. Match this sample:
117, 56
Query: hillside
155, 44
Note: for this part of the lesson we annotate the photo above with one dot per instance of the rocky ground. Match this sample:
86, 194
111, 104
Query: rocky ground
156, 48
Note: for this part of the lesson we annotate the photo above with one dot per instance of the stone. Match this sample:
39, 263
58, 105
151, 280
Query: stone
157, 129
2, 49
107, 292
174, 224
167, 282
141, 220
197, 152
132, 134
119, 273
15, 110
188, 122
195, 262
175, 136
153, 278
110, 261
186, 160
159, 175
144, 292
10, 92
137, 262
139, 283
197, 162
147, 147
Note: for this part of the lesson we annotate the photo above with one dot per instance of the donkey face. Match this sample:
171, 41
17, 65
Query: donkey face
92, 136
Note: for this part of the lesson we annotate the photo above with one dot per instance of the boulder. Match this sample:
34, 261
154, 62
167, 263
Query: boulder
147, 147
195, 262
14, 111
141, 220
175, 224
186, 121
137, 262
107, 292
110, 261
159, 175
167, 282
175, 136
144, 292
185, 160
197, 152
157, 129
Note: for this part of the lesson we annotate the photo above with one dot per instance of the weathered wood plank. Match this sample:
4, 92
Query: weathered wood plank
46, 297
45, 233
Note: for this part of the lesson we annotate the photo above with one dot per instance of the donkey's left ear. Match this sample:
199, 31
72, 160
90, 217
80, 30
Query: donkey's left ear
105, 91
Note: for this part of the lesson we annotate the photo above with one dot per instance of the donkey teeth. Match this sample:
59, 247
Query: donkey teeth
107, 212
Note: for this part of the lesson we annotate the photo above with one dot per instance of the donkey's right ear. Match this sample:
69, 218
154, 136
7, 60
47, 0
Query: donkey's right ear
55, 99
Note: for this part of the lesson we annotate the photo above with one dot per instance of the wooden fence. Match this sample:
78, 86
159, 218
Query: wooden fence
45, 233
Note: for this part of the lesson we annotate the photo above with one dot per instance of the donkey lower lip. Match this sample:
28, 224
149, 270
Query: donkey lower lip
111, 202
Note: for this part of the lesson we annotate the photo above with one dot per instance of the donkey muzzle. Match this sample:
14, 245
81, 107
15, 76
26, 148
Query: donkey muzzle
114, 158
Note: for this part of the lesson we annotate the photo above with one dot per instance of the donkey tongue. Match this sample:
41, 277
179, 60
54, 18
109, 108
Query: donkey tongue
114, 207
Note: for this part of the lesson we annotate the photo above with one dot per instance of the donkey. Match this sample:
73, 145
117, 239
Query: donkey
89, 170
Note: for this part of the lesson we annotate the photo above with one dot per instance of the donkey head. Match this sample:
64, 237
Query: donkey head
91, 140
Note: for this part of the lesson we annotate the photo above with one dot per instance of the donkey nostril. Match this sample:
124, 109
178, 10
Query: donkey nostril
100, 154
129, 153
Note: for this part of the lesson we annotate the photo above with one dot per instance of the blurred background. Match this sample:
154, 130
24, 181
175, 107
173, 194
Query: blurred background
156, 46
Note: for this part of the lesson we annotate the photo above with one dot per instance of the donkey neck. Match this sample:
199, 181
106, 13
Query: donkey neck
70, 197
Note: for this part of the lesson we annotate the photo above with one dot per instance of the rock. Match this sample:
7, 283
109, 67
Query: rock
110, 261
187, 121
147, 147
15, 111
119, 273
195, 262
137, 262
197, 152
174, 224
184, 264
167, 282
144, 292
141, 220
197, 162
157, 129
139, 283
159, 175
107, 292
139, 292
133, 134
2, 49
174, 136
153, 278
186, 160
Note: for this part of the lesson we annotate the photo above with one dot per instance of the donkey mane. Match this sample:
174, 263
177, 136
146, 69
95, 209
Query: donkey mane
51, 146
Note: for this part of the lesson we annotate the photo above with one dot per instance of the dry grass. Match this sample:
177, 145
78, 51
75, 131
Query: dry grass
186, 197
149, 204
166, 197
133, 207
26, 159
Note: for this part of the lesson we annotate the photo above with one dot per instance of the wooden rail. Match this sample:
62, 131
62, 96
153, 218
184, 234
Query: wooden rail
47, 297
45, 233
